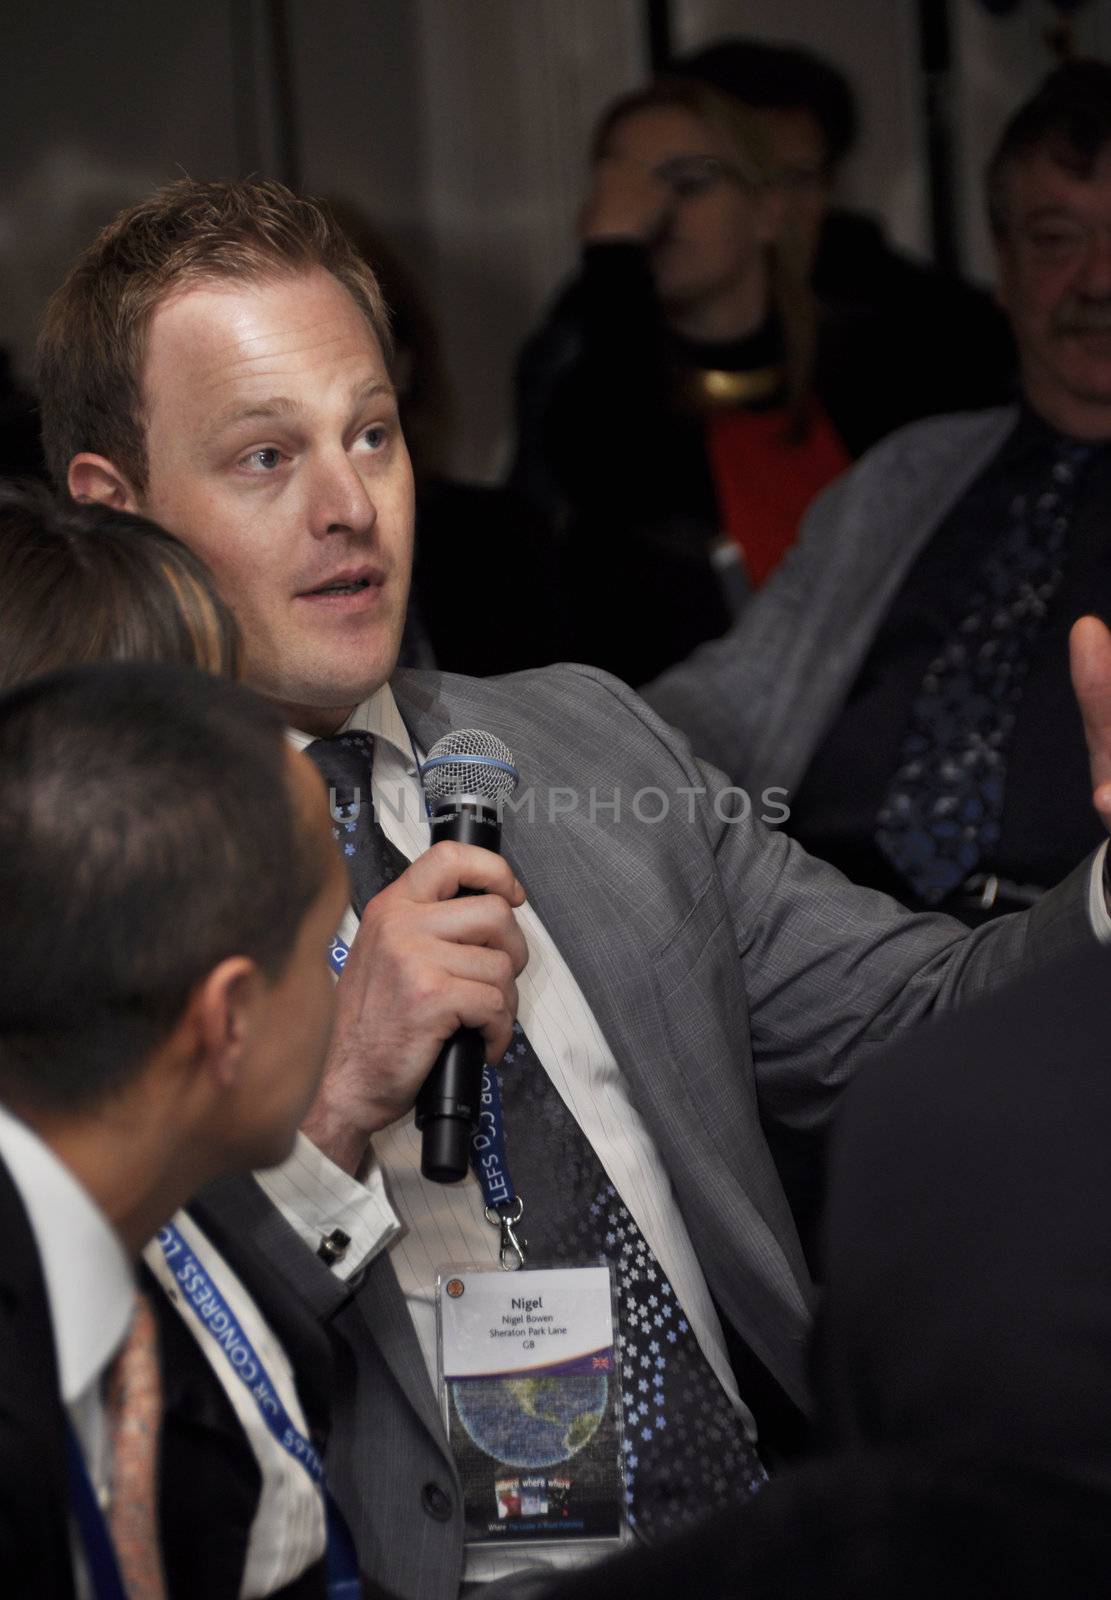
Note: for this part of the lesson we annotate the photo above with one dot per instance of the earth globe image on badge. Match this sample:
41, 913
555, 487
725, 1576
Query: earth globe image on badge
531, 1421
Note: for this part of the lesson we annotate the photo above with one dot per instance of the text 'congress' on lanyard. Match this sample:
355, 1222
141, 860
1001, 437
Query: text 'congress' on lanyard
216, 1317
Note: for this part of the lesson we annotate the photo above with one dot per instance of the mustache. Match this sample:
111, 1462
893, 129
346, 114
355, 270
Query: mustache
1092, 316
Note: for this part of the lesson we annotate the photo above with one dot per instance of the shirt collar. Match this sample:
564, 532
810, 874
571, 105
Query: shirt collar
1032, 432
378, 716
90, 1286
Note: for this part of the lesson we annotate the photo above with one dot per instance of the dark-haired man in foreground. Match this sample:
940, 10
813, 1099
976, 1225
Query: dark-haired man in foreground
218, 358
164, 1011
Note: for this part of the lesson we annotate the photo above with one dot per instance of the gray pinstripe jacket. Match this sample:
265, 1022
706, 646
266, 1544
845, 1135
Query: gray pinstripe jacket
735, 978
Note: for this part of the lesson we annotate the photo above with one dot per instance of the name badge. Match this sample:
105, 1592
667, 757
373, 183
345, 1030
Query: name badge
531, 1397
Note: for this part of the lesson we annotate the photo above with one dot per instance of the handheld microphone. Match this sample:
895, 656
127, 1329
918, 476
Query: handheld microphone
465, 776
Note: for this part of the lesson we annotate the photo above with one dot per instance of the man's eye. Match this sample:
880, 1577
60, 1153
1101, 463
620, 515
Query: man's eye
267, 458
376, 437
1056, 241
686, 184
689, 175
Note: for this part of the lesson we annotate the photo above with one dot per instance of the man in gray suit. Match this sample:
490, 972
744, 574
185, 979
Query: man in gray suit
824, 686
681, 976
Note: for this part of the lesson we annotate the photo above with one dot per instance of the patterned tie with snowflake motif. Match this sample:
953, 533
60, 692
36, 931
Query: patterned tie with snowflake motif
686, 1450
346, 763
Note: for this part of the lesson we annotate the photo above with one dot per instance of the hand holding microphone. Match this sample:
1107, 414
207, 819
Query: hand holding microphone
438, 950
466, 775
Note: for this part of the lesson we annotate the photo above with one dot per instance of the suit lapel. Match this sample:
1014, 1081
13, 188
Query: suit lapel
381, 1306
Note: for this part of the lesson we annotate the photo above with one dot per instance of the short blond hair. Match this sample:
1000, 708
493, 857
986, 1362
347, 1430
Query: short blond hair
93, 340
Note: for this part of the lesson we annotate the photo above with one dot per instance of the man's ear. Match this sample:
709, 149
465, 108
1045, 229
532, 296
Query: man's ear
93, 479
220, 1019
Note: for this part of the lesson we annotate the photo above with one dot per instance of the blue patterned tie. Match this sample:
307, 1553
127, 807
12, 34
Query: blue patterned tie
686, 1450
346, 763
942, 810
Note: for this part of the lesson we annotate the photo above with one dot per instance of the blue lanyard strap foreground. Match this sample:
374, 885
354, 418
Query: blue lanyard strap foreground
209, 1306
96, 1541
504, 1206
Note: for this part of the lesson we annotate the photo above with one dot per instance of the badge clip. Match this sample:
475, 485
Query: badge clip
511, 1252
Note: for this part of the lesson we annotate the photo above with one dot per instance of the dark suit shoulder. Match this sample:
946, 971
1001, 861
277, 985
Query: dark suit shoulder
34, 1500
968, 1292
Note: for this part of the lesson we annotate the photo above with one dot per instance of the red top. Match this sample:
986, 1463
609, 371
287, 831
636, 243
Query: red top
765, 481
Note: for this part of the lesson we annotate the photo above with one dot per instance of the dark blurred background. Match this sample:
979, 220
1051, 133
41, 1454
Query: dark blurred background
459, 127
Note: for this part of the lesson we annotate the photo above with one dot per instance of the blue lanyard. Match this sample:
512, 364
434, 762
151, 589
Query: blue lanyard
216, 1317
504, 1206
208, 1305
100, 1554
488, 1146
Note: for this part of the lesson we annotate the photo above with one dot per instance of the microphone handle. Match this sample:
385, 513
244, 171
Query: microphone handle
447, 1106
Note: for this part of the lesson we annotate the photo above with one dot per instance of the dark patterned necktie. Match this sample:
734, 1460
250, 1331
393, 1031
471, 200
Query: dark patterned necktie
686, 1450
346, 763
941, 814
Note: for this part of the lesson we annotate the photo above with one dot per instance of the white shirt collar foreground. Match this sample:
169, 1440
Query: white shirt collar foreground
90, 1285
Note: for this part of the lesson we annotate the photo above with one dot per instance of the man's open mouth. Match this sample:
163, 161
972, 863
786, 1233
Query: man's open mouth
343, 586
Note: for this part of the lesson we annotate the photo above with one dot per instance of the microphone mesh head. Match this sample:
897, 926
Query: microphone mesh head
469, 761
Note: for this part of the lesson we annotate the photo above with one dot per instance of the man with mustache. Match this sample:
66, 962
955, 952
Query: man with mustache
904, 674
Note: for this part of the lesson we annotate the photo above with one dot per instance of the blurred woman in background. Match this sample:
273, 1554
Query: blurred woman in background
668, 418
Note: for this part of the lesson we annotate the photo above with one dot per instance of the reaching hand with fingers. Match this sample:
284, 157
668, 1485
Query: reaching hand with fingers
1090, 662
422, 965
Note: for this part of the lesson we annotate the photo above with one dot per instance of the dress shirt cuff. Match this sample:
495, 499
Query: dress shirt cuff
1098, 914
317, 1199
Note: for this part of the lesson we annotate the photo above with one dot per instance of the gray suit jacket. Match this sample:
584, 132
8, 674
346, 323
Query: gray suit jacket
758, 701
736, 980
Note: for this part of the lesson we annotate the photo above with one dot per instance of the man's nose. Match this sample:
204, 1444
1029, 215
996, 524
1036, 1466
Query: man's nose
340, 500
